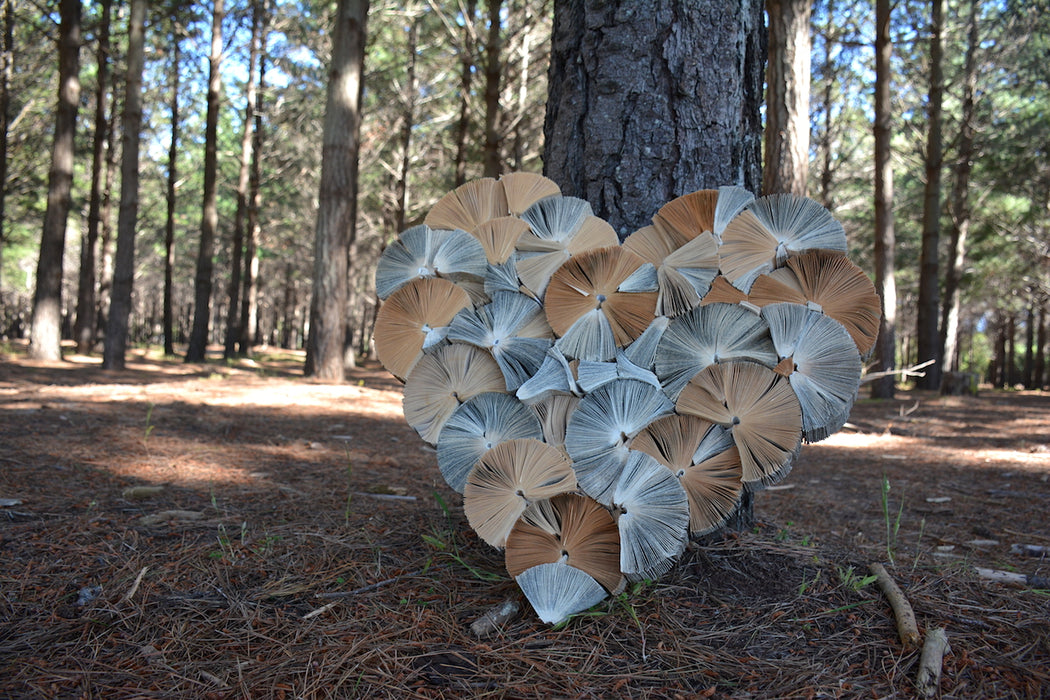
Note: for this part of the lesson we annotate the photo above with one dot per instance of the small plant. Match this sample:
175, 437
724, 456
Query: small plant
807, 584
850, 579
349, 487
893, 523
149, 425
445, 542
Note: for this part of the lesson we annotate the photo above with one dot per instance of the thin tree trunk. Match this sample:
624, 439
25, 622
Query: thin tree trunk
105, 247
466, 72
927, 332
999, 355
885, 242
247, 332
621, 90
786, 166
46, 326
960, 206
169, 221
210, 215
7, 60
84, 329
1040, 349
337, 201
827, 104
523, 89
1029, 349
233, 289
1010, 368
408, 122
127, 218
493, 72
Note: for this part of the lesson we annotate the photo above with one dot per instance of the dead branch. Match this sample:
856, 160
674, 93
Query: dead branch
931, 662
912, 371
906, 626
494, 618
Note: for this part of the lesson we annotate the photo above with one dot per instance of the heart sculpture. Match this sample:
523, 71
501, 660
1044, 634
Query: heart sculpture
597, 404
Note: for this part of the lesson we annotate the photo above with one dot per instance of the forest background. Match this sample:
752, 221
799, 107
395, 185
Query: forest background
456, 90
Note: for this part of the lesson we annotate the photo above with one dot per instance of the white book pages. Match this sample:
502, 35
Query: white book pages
731, 201
653, 517
553, 377
589, 338
642, 351
477, 426
557, 591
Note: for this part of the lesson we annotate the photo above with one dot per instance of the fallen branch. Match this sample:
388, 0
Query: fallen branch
135, 586
931, 662
494, 618
906, 626
1014, 579
912, 371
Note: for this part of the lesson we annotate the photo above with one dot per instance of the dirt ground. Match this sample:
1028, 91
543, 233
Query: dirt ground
237, 531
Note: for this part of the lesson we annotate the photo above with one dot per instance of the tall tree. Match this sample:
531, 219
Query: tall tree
127, 218
84, 330
248, 321
885, 241
628, 83
786, 167
233, 290
466, 73
168, 313
960, 204
408, 119
46, 328
337, 202
927, 333
7, 60
198, 344
493, 73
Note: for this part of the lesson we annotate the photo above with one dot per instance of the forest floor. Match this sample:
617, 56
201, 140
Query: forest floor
237, 531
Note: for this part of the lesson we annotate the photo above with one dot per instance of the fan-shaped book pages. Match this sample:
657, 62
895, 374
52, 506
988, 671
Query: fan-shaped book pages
597, 404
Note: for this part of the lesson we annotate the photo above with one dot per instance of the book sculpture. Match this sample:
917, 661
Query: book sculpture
597, 404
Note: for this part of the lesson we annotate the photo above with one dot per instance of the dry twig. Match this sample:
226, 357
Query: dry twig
906, 627
931, 661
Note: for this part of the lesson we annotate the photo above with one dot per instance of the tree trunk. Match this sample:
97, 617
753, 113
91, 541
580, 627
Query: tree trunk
84, 329
7, 60
127, 218
786, 166
825, 145
493, 72
233, 289
999, 355
169, 220
1040, 349
630, 85
250, 295
408, 122
1029, 350
885, 242
105, 247
337, 201
927, 332
46, 326
210, 215
466, 72
960, 206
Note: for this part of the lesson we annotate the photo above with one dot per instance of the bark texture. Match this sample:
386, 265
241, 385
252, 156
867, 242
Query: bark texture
786, 167
127, 217
653, 99
46, 327
927, 331
885, 240
337, 210
210, 211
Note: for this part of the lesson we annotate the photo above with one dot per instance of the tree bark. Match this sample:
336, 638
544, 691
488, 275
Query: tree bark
169, 220
927, 333
337, 202
7, 60
210, 215
885, 242
466, 72
1040, 348
84, 329
651, 100
493, 72
408, 122
127, 218
46, 325
1029, 348
248, 326
233, 289
786, 167
960, 206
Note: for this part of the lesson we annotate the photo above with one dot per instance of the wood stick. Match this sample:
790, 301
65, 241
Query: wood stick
495, 617
931, 661
906, 626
